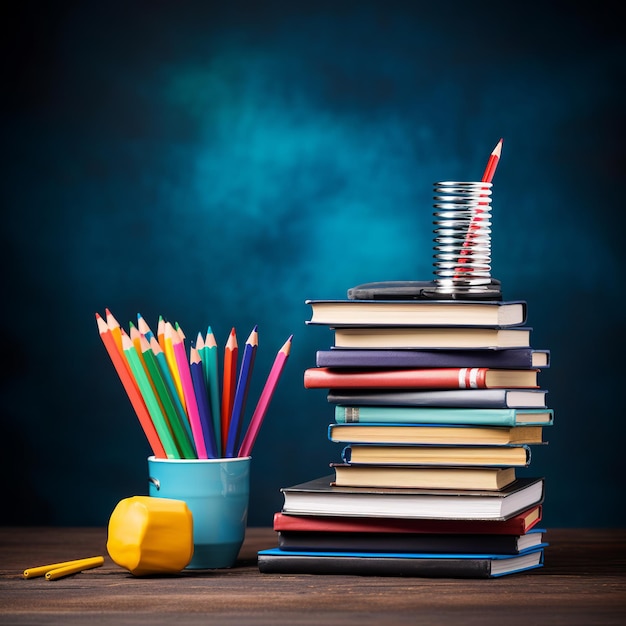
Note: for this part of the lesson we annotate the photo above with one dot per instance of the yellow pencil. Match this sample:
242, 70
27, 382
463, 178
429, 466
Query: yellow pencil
60, 572
171, 361
41, 570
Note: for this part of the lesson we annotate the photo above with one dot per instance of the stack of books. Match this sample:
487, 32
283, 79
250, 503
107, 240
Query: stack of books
436, 405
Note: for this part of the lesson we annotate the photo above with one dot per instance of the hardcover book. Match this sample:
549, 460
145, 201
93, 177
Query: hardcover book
512, 358
277, 561
419, 378
439, 415
320, 497
434, 434
390, 476
518, 524
426, 543
485, 456
453, 398
431, 337
417, 313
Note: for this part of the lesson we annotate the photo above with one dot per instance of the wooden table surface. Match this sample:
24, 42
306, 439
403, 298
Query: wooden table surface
583, 582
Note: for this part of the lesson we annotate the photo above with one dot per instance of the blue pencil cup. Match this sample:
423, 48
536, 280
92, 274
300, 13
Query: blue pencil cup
217, 492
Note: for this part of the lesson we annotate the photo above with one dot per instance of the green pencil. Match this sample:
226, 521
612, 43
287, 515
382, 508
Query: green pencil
164, 369
209, 356
152, 403
177, 426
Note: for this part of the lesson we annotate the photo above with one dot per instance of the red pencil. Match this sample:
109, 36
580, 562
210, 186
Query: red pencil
492, 163
229, 383
128, 381
490, 170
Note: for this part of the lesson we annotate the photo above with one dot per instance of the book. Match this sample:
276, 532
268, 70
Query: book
513, 358
417, 313
277, 561
390, 476
510, 456
320, 497
442, 415
453, 398
431, 337
434, 434
518, 524
421, 378
427, 543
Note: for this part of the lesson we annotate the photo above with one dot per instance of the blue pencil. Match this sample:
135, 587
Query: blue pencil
241, 393
202, 400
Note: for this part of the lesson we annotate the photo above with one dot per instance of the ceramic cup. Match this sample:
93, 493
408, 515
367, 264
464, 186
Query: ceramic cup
217, 493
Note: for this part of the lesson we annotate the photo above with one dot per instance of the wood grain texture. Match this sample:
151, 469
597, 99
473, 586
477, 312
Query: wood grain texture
583, 582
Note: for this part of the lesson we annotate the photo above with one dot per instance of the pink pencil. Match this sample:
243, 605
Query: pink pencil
188, 391
264, 399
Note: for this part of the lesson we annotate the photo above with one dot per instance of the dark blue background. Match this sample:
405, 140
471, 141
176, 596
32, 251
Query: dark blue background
219, 163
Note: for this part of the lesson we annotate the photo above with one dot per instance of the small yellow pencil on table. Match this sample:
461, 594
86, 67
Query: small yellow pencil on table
64, 568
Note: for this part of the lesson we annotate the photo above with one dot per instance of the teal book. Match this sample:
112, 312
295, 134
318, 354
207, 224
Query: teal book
442, 415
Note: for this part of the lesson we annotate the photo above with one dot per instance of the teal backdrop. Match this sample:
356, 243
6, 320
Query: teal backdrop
218, 163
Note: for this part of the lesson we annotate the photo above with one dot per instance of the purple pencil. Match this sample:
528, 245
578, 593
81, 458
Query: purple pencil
202, 401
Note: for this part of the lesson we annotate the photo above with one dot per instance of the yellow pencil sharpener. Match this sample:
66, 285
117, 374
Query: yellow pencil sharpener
149, 535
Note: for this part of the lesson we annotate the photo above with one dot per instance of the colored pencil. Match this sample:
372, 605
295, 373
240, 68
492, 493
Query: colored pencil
172, 362
143, 382
68, 570
264, 399
492, 163
161, 332
229, 382
169, 382
130, 386
210, 359
202, 399
41, 570
187, 384
114, 327
241, 393
143, 327
488, 174
162, 392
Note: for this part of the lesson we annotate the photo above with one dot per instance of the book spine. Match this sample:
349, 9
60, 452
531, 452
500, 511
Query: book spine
514, 358
423, 415
402, 543
436, 378
366, 565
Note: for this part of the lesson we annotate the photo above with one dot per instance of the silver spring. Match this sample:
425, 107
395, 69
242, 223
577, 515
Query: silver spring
462, 242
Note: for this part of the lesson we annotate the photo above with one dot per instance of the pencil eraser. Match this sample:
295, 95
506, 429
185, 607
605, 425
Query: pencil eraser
148, 535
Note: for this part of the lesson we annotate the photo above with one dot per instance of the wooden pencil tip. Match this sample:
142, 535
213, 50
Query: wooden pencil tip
498, 149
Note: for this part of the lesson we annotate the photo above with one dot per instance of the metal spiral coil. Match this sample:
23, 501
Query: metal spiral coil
462, 242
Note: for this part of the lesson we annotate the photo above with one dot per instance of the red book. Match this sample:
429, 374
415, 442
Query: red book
517, 525
425, 378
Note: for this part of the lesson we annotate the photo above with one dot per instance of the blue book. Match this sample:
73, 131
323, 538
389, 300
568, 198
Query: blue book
439, 415
277, 561
514, 358
413, 543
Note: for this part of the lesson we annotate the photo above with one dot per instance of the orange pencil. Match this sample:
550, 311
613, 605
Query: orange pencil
128, 381
229, 383
115, 329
